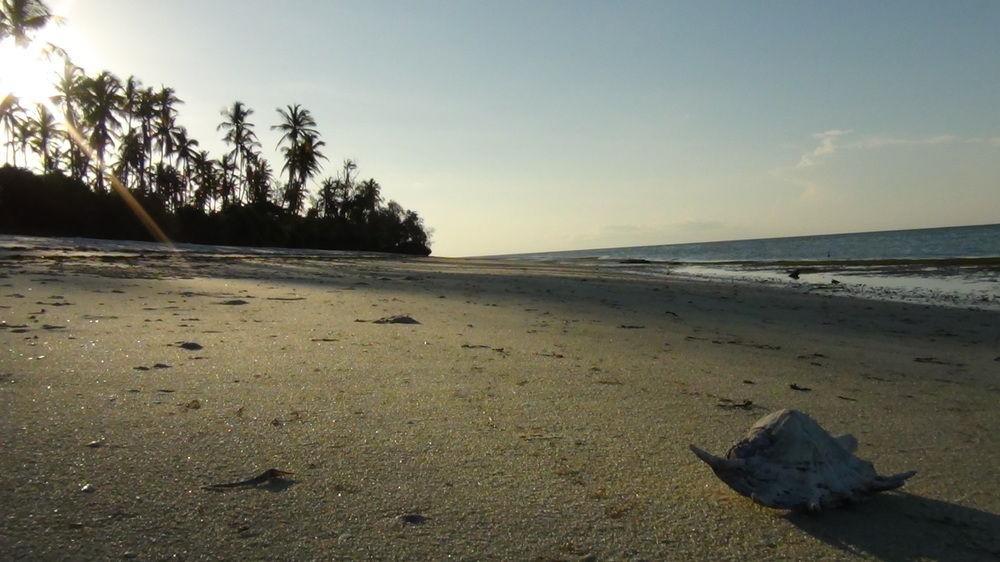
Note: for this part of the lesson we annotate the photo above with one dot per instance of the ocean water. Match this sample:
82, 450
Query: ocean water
928, 243
953, 266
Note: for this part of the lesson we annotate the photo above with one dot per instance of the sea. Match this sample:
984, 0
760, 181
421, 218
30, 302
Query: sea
952, 266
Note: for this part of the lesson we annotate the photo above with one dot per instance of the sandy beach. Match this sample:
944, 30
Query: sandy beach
536, 412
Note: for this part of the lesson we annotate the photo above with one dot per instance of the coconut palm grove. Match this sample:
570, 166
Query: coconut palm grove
107, 157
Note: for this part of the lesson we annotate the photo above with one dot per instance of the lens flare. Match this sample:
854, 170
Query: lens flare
122, 191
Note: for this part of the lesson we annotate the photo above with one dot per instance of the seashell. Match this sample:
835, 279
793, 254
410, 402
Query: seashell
787, 461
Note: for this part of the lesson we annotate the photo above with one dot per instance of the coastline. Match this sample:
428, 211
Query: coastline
954, 282
538, 410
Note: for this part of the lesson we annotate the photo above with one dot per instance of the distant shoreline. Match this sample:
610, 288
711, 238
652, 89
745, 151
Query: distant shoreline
739, 240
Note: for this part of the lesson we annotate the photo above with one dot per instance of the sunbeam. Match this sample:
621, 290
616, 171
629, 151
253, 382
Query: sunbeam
144, 217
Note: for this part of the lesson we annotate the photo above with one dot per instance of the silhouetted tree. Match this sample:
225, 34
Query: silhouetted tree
11, 114
186, 149
101, 98
239, 133
258, 181
296, 125
45, 136
20, 18
69, 94
165, 104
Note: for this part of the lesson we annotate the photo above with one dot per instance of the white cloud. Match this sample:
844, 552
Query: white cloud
827, 146
831, 142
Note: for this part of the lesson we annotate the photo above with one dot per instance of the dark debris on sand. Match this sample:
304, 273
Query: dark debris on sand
413, 518
396, 319
728, 404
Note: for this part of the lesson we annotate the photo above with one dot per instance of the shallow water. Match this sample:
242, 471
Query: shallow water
954, 266
972, 288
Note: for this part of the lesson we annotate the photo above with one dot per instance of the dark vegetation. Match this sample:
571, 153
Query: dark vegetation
56, 205
101, 140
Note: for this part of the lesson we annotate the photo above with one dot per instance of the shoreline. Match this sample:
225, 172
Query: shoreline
957, 282
953, 282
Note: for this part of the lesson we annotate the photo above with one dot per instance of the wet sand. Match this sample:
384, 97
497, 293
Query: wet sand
535, 412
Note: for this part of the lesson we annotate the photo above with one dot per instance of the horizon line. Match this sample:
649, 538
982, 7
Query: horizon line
608, 248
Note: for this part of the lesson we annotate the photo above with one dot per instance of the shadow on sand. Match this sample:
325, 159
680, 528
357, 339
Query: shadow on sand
901, 526
274, 485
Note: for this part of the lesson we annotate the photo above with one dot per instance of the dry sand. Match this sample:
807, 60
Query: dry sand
563, 437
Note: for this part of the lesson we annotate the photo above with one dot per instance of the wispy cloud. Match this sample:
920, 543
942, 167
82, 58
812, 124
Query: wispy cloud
827, 146
833, 141
882, 142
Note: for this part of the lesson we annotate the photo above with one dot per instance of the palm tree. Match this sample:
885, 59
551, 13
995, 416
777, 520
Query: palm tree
258, 181
169, 186
186, 149
130, 158
226, 168
346, 170
302, 162
11, 114
296, 124
334, 193
309, 157
101, 100
20, 18
23, 134
131, 94
165, 102
69, 94
206, 178
365, 200
145, 112
239, 133
45, 133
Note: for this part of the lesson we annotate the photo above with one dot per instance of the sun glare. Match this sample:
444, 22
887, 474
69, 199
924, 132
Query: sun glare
28, 72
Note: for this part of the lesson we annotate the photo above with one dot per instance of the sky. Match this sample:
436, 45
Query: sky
538, 126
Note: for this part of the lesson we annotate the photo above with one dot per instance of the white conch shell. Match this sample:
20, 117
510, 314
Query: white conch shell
788, 461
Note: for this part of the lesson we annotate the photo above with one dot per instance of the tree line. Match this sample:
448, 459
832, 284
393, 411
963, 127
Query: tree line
113, 131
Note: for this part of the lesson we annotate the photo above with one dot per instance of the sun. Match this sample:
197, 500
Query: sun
31, 72
28, 73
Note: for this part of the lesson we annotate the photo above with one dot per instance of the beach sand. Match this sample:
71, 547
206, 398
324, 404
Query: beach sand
535, 412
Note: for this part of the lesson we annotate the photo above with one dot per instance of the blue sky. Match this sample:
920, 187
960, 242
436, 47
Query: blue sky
530, 126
